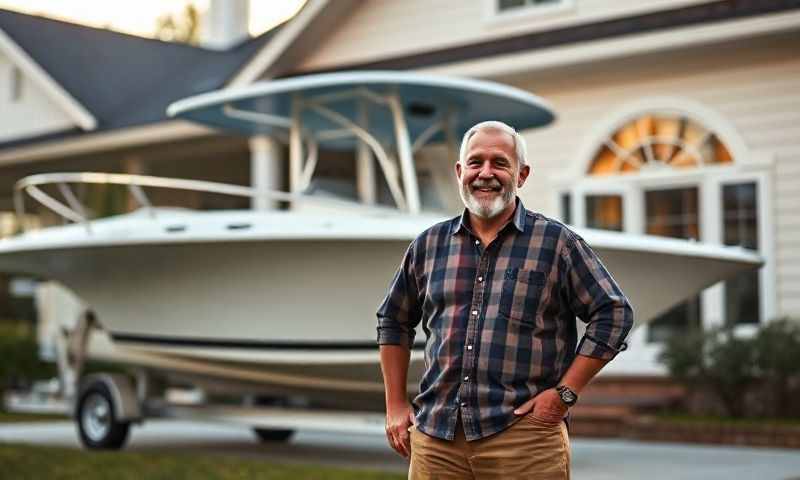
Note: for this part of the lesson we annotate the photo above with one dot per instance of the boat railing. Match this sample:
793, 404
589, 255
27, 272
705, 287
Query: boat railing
71, 209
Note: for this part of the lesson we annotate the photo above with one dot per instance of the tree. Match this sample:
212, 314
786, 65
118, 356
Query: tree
183, 27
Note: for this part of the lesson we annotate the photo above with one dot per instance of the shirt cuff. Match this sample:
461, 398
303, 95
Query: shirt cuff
395, 336
591, 347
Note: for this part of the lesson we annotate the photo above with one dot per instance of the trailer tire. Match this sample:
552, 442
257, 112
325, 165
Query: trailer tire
96, 417
271, 435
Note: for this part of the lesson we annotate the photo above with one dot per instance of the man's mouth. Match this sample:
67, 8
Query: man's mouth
492, 188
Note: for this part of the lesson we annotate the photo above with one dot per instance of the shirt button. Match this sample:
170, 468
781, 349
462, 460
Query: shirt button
477, 242
469, 347
463, 404
466, 379
474, 312
480, 279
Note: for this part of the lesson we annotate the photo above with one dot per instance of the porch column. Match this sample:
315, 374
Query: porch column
266, 169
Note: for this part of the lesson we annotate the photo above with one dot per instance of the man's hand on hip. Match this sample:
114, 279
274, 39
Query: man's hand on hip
399, 419
547, 407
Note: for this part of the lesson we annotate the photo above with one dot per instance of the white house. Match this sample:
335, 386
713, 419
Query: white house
675, 117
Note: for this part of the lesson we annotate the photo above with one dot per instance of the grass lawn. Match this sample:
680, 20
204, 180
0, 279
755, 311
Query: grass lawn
29, 462
10, 417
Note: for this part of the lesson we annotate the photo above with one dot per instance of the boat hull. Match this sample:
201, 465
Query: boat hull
297, 316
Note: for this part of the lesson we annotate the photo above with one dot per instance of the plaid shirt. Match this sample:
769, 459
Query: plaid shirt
500, 319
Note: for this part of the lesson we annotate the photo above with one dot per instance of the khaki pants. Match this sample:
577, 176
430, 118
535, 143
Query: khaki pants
529, 449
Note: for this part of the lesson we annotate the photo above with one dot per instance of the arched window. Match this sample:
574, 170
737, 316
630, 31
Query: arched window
672, 167
654, 141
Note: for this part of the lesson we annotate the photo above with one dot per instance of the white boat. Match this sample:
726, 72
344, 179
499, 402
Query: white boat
282, 302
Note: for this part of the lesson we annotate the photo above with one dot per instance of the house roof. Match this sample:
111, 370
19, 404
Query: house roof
122, 80
682, 16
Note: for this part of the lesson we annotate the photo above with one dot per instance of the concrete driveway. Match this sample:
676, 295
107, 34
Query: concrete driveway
592, 459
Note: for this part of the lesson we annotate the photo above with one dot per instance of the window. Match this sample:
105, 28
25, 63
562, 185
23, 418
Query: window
504, 12
674, 213
604, 212
504, 5
740, 227
566, 208
659, 142
661, 170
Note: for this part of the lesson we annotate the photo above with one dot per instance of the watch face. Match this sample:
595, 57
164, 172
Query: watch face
567, 396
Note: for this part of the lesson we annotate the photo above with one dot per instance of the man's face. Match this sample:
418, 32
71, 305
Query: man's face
490, 176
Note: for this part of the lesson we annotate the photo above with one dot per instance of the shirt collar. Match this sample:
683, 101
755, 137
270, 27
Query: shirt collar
518, 219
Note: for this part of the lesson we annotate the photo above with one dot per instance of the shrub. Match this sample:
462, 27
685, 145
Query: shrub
20, 359
777, 348
753, 375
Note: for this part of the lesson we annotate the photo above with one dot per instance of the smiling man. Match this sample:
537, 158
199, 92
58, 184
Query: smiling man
497, 290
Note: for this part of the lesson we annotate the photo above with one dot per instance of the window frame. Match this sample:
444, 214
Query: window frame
747, 166
711, 221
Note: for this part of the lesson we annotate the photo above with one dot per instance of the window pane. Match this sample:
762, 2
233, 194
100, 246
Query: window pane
674, 213
740, 223
604, 212
566, 208
506, 4
509, 4
605, 162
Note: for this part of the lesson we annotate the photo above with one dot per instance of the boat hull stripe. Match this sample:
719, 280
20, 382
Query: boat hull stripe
246, 344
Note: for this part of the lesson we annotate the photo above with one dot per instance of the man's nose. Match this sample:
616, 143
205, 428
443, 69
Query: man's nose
486, 170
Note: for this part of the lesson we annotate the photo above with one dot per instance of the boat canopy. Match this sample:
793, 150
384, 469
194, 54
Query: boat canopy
267, 106
388, 115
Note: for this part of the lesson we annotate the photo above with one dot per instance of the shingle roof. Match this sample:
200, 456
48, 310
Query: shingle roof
123, 80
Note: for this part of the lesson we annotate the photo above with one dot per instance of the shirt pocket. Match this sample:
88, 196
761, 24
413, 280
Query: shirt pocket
521, 293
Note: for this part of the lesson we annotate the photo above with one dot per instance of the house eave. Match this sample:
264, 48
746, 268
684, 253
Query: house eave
561, 56
102, 141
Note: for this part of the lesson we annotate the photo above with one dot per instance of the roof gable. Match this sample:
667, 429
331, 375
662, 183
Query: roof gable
122, 80
29, 108
45, 83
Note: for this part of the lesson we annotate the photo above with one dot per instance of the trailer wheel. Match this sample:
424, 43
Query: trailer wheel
97, 423
271, 435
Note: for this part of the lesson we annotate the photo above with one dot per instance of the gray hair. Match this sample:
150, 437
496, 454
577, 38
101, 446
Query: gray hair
519, 143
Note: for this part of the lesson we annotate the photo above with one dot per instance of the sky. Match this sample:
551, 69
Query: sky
138, 17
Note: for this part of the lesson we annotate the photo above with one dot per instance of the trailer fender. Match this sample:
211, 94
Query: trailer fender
123, 392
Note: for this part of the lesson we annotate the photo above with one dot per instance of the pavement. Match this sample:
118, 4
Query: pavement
592, 459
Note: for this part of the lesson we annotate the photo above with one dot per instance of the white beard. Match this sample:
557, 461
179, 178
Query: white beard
487, 208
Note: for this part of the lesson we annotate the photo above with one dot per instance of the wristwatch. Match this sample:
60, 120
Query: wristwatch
567, 395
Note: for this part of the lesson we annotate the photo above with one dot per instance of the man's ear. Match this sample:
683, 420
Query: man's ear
458, 170
523, 175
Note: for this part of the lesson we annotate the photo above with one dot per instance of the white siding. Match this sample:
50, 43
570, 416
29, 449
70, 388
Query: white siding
32, 114
787, 207
756, 89
388, 28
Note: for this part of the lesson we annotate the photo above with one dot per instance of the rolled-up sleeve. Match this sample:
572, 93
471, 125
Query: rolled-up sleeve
400, 312
598, 301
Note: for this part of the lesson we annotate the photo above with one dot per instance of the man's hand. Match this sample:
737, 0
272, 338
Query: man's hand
547, 407
399, 419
